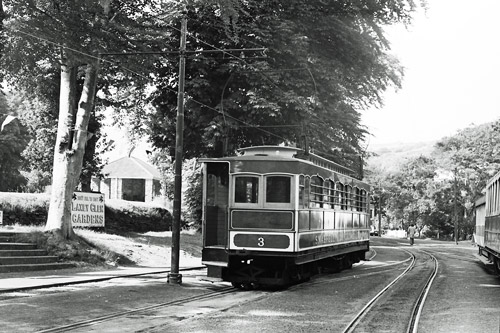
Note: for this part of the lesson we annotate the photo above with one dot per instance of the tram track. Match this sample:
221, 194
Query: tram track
419, 305
393, 288
211, 296
121, 314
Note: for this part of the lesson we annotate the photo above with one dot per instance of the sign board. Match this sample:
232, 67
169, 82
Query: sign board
87, 209
1, 216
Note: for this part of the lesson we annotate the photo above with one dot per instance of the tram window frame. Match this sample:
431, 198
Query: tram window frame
362, 197
291, 193
338, 195
358, 204
343, 197
304, 191
352, 199
258, 201
328, 187
316, 197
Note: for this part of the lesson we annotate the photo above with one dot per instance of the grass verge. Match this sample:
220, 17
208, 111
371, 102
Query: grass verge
100, 249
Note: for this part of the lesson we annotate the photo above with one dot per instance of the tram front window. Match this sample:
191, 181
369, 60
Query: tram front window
278, 189
246, 190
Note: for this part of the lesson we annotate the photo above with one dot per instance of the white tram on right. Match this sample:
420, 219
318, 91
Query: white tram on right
488, 223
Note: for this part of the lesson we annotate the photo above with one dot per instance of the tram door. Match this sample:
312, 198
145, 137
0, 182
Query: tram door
216, 204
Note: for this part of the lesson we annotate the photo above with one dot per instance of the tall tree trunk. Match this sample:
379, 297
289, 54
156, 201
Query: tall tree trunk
88, 157
70, 146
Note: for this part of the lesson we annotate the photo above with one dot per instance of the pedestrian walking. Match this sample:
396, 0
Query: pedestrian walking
411, 233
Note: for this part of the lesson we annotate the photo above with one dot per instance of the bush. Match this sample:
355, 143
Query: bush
120, 216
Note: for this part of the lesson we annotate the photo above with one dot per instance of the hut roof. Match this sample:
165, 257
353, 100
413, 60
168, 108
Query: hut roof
130, 167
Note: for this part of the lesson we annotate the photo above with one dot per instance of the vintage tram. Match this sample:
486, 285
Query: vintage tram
277, 215
489, 229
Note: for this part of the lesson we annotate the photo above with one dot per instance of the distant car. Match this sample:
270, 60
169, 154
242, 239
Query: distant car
374, 233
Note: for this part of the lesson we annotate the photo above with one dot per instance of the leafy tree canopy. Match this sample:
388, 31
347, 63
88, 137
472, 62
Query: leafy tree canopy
325, 61
13, 140
435, 191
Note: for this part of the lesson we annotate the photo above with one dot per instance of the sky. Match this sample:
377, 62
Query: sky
451, 56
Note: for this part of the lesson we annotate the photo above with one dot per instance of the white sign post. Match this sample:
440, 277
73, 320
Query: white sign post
1, 216
87, 209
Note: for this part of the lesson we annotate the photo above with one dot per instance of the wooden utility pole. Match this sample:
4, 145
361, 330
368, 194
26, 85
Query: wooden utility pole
380, 214
174, 277
455, 210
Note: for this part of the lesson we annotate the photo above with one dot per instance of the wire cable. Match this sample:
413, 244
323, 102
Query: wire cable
144, 77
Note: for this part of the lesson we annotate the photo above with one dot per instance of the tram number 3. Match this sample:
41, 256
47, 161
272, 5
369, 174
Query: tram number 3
260, 241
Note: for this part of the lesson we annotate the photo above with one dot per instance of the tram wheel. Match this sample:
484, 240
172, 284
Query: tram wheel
237, 285
347, 262
245, 285
496, 263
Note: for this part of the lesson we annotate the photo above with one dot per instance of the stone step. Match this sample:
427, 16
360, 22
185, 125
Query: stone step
28, 260
22, 253
17, 246
25, 257
8, 233
34, 267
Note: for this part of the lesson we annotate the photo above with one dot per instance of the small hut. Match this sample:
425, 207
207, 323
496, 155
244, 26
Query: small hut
132, 179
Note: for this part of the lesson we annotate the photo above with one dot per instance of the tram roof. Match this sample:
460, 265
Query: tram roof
283, 154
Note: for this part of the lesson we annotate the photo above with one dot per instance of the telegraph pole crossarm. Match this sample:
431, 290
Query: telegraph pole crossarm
186, 52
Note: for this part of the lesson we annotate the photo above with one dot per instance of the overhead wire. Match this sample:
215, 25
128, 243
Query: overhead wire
213, 47
321, 122
245, 62
144, 77
218, 49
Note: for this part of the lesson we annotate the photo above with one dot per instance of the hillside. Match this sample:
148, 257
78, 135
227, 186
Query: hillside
389, 157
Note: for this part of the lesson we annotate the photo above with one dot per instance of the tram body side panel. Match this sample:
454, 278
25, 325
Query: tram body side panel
273, 236
492, 235
480, 224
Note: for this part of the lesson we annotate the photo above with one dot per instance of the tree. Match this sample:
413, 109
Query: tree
437, 190
470, 158
325, 62
69, 35
41, 126
409, 192
13, 140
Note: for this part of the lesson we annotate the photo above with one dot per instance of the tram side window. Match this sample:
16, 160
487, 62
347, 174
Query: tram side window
328, 194
334, 200
246, 189
304, 191
278, 189
348, 196
362, 201
358, 202
316, 192
341, 196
